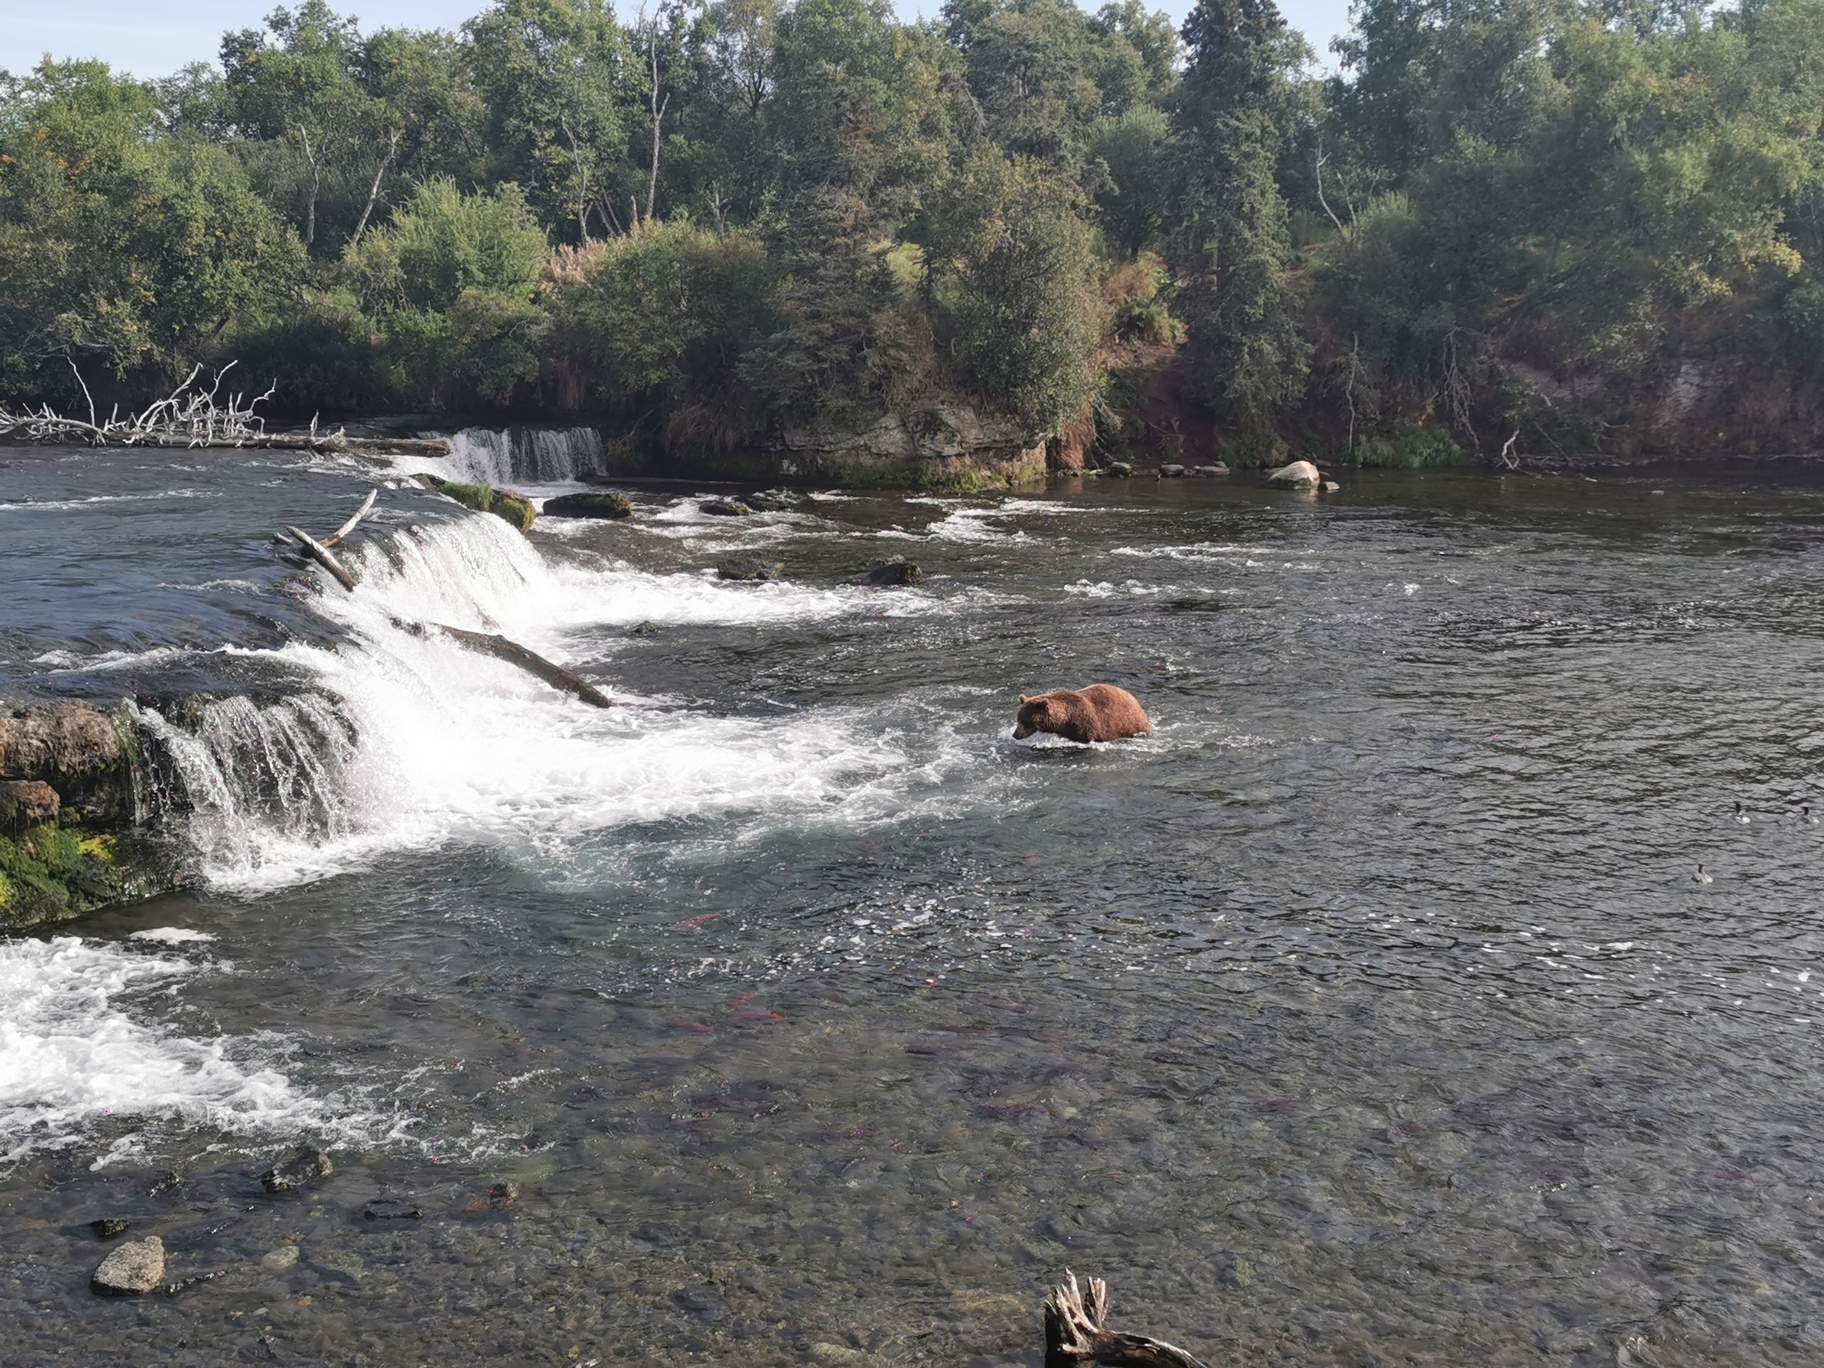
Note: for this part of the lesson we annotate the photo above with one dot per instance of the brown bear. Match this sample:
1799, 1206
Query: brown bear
1100, 712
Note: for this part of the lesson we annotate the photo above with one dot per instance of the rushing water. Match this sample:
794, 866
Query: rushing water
1366, 1013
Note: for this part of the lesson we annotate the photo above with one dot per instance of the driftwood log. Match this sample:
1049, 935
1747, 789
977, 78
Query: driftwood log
324, 557
529, 661
1077, 1333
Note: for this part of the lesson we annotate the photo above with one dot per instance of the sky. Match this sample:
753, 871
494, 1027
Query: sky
157, 37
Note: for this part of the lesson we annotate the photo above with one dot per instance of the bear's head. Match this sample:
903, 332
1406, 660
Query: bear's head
1035, 716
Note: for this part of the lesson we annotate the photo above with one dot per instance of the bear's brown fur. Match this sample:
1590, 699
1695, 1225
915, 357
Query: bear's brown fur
1100, 712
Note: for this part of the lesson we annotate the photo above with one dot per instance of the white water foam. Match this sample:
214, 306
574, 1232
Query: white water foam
73, 1050
409, 740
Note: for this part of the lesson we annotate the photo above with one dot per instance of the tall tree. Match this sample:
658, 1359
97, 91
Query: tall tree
559, 80
1230, 247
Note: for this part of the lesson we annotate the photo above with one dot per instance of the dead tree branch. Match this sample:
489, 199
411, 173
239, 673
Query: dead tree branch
324, 557
190, 416
1076, 1333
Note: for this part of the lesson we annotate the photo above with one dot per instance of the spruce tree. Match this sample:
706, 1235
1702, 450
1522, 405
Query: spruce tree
1230, 247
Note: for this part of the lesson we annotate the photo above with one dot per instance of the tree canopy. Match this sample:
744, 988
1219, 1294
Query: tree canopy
1495, 217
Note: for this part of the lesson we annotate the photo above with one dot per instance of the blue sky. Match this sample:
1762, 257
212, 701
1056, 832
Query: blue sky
156, 37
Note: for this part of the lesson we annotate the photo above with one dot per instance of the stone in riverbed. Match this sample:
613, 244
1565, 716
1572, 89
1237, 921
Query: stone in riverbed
895, 570
132, 1270
502, 1195
391, 1209
749, 568
837, 1355
107, 1227
1119, 470
1212, 471
588, 506
301, 1166
280, 1259
724, 508
1297, 475
1171, 470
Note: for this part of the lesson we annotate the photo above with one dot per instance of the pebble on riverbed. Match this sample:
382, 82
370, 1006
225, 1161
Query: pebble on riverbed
131, 1270
107, 1227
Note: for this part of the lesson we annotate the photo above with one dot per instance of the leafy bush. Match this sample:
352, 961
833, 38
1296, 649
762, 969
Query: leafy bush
1413, 449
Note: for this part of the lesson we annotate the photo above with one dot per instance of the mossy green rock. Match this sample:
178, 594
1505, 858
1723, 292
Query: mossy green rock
502, 503
589, 506
68, 843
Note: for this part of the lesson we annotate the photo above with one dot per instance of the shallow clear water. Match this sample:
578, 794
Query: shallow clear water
1366, 1013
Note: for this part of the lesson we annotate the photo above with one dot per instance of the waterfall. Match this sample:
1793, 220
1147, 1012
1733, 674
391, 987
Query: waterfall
257, 775
525, 455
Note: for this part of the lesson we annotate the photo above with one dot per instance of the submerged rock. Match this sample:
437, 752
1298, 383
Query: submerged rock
1297, 475
301, 1166
724, 508
132, 1270
391, 1209
589, 506
646, 628
502, 1195
896, 570
1118, 470
280, 1259
750, 568
108, 1227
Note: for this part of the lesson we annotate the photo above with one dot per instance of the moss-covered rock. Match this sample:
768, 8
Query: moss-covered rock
51, 873
68, 840
589, 506
502, 503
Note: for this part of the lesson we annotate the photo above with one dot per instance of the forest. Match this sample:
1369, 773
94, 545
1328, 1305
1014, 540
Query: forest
1490, 227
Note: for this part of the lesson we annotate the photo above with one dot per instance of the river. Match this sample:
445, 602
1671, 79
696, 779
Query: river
1367, 1012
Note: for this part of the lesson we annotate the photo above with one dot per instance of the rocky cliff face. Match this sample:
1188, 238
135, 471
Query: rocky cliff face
936, 446
70, 837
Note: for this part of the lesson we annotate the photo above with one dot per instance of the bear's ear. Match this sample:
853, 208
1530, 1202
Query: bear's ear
1024, 699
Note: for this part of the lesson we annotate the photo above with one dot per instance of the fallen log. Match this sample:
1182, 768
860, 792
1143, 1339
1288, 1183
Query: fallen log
529, 661
1076, 1333
324, 557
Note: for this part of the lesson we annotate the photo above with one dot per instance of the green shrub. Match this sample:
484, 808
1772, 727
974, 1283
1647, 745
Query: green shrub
1413, 449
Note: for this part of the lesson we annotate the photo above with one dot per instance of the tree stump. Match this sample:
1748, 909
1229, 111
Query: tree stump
1076, 1333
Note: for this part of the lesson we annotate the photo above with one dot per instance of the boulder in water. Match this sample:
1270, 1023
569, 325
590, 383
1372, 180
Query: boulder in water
301, 1166
896, 570
108, 1227
724, 508
589, 506
1297, 475
1212, 470
132, 1269
1118, 470
750, 568
1171, 470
